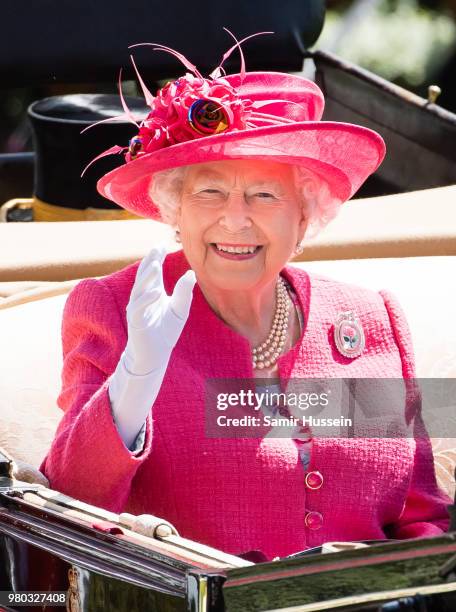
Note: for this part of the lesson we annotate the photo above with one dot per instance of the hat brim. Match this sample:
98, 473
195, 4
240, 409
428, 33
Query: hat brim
344, 155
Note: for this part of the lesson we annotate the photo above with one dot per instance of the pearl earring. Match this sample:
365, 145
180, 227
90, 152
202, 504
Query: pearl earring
299, 249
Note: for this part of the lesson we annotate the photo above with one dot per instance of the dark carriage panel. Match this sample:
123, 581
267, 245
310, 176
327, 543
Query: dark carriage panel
43, 551
63, 42
16, 175
361, 580
420, 137
87, 589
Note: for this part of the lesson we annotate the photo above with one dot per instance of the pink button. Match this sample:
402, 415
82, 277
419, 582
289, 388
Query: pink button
313, 520
314, 480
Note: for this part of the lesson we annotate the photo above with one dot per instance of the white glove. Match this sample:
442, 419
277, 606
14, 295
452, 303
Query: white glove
155, 322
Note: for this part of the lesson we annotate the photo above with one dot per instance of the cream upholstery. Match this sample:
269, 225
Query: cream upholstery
30, 361
30, 365
410, 224
75, 249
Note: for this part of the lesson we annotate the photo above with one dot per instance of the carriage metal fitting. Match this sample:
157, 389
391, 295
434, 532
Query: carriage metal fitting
148, 525
19, 209
434, 92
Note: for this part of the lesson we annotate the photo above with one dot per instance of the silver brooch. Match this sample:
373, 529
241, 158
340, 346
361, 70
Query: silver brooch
349, 334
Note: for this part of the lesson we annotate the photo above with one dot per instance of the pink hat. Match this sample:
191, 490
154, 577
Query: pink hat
251, 115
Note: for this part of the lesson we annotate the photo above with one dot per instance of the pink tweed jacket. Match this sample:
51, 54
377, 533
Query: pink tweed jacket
239, 494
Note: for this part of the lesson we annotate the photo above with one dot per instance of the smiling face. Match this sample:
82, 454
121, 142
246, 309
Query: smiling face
239, 221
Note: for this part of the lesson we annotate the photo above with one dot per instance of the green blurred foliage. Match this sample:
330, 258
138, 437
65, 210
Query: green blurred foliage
397, 39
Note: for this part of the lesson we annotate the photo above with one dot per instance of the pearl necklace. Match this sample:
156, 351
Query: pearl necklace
266, 354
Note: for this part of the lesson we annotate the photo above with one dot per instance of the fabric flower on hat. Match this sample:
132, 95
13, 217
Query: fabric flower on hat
188, 108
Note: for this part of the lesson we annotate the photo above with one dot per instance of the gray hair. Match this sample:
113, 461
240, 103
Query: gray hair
320, 206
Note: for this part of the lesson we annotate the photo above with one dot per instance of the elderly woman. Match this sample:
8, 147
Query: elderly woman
244, 169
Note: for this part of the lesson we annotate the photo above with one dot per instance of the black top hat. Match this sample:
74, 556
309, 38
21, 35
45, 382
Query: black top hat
62, 152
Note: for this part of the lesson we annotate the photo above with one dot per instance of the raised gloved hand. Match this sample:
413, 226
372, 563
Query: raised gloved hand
154, 323
155, 320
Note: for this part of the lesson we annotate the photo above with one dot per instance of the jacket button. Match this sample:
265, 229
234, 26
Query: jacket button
313, 480
313, 520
